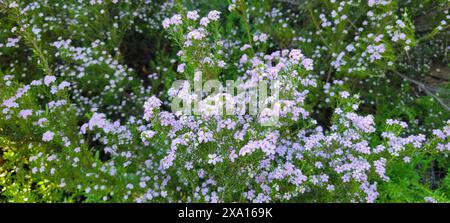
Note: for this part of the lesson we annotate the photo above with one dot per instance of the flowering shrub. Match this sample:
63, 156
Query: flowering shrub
89, 90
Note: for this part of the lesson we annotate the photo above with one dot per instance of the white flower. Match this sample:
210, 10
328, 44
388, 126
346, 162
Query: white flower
196, 34
204, 21
152, 103
231, 7
13, 5
214, 158
344, 94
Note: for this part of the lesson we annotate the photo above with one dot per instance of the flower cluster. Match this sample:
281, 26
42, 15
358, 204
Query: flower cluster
87, 90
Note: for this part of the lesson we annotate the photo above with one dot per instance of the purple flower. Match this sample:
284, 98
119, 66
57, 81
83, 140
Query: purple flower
49, 79
214, 15
214, 159
365, 123
25, 113
151, 104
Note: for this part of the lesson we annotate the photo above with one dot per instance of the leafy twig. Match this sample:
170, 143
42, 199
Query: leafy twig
423, 87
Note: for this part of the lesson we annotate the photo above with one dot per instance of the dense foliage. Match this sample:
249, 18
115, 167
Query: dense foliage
363, 107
